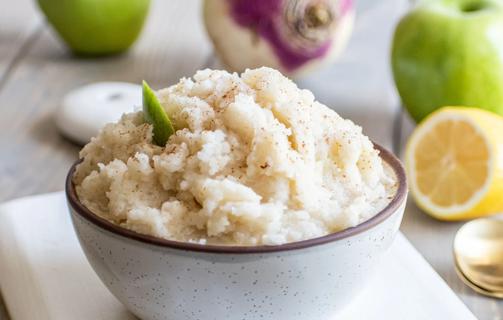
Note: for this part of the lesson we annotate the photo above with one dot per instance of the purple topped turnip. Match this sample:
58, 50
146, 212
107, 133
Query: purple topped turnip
292, 36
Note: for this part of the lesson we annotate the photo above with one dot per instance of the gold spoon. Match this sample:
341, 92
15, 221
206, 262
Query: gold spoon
475, 287
478, 254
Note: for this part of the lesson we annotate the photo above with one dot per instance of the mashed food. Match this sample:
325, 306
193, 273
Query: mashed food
254, 160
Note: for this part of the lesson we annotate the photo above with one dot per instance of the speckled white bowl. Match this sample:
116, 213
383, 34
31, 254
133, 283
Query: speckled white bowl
312, 279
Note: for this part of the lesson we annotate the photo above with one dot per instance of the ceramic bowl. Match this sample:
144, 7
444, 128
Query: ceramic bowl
312, 279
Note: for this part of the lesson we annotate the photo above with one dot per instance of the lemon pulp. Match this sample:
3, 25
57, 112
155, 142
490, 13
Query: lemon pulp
455, 165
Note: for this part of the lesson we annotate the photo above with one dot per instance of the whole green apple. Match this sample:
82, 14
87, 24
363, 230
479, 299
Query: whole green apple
450, 52
96, 27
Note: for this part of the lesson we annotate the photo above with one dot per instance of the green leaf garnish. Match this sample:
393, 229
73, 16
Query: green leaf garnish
154, 114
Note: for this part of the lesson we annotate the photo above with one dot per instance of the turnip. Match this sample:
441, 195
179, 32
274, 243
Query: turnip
293, 36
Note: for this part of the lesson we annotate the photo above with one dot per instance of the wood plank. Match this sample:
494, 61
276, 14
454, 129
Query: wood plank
19, 21
19, 25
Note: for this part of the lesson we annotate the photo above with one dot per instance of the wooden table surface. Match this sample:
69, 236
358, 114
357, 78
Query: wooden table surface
36, 71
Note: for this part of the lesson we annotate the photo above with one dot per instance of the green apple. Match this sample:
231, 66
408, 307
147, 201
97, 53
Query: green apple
155, 114
450, 52
96, 27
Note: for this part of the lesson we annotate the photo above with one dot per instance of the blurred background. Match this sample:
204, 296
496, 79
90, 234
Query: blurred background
44, 55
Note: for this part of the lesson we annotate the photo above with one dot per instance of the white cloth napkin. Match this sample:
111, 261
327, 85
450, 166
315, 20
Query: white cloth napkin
44, 274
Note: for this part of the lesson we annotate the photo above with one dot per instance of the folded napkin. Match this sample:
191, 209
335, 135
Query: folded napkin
44, 274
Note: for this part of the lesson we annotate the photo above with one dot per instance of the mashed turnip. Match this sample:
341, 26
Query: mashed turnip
255, 160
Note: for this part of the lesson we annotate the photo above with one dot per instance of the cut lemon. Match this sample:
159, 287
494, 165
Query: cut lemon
454, 162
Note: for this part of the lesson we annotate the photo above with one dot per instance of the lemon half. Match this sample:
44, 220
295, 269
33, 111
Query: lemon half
454, 161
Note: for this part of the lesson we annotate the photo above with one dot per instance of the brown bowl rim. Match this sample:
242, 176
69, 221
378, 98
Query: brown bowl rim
382, 215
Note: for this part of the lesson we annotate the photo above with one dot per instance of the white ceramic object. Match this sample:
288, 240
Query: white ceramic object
312, 279
85, 110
